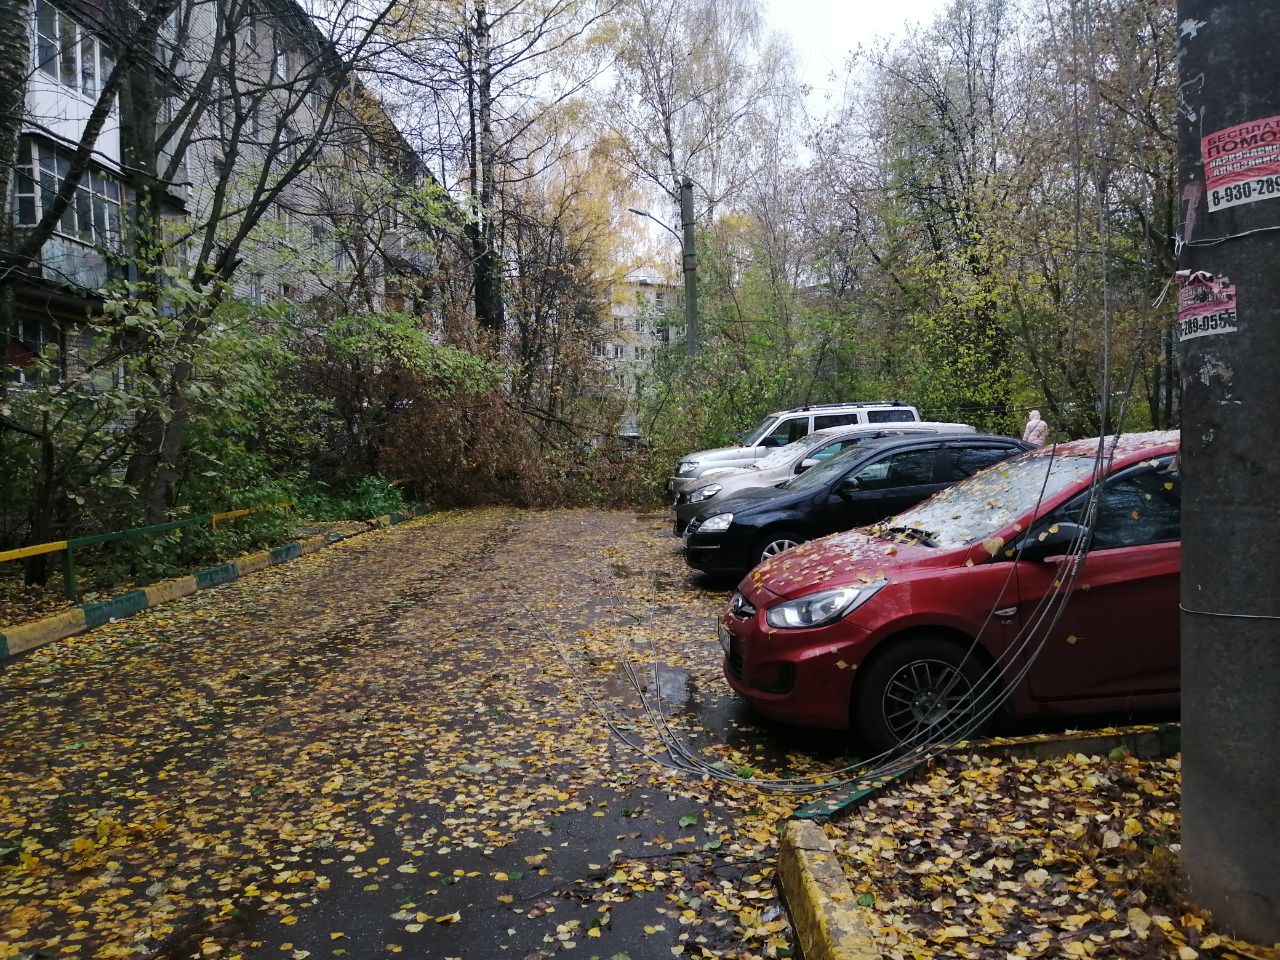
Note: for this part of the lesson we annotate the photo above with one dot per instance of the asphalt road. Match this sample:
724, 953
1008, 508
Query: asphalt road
397, 746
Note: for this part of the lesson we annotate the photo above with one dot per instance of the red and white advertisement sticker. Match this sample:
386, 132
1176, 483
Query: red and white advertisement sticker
1206, 305
1242, 163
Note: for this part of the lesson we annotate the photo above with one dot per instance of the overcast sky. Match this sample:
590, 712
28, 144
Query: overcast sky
823, 32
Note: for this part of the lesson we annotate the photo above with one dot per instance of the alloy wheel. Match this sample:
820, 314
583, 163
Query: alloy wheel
925, 694
775, 547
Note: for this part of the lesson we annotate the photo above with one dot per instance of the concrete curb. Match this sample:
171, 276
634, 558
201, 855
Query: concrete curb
824, 911
27, 636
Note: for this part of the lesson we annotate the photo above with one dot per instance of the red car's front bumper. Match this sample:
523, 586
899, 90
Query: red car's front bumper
803, 677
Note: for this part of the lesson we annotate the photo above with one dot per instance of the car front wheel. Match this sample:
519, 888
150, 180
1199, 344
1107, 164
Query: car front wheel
773, 543
920, 691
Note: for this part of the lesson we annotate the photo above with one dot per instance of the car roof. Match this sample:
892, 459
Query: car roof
856, 405
914, 438
929, 428
1119, 447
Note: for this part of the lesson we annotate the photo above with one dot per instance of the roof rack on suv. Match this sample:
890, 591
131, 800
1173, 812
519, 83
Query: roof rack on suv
832, 406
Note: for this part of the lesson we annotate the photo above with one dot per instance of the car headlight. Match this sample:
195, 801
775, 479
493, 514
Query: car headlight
705, 493
685, 468
717, 523
818, 609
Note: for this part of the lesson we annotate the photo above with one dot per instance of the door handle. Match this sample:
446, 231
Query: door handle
1006, 612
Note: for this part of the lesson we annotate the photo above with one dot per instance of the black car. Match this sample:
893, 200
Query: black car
872, 481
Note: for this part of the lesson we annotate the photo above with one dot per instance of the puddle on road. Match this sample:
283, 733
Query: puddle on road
710, 718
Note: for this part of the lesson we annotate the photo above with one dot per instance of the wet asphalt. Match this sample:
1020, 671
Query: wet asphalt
395, 660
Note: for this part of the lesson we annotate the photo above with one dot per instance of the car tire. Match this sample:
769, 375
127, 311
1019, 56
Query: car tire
891, 700
773, 543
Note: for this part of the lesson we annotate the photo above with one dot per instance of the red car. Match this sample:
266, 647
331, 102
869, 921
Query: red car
909, 628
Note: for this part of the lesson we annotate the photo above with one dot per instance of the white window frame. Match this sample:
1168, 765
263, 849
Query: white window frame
99, 193
82, 43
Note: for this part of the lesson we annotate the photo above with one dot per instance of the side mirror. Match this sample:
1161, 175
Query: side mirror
1052, 541
805, 464
847, 487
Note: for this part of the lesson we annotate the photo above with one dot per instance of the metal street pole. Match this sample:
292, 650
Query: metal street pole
1229, 327
690, 270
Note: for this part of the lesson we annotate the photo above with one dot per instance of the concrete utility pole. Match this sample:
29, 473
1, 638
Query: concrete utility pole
1229, 328
690, 269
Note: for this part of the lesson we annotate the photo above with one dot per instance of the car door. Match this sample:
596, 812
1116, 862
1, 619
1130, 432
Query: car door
1119, 633
887, 484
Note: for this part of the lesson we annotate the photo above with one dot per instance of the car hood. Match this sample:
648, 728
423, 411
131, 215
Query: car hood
847, 558
745, 499
720, 472
718, 453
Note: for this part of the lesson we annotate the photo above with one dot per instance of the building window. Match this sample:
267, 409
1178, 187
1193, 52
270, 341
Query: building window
251, 27
280, 65
26, 342
597, 349
68, 53
255, 119
315, 96
255, 287
93, 216
663, 334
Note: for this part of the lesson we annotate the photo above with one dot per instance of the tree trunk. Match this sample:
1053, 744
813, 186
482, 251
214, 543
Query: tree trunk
15, 62
490, 311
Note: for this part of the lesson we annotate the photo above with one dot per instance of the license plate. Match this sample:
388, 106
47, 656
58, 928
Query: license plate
725, 636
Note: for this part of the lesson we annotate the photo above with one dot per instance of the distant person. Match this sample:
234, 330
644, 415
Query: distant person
1036, 431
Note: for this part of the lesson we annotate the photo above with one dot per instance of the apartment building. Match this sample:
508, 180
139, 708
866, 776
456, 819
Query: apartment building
644, 316
237, 138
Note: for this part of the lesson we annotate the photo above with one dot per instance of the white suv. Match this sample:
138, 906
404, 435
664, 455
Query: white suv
784, 427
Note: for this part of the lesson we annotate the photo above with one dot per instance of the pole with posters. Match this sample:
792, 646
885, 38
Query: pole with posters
1229, 328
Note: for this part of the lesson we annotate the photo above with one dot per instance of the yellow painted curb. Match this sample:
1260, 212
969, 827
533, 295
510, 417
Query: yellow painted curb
824, 912
39, 632
253, 562
311, 544
26, 636
169, 590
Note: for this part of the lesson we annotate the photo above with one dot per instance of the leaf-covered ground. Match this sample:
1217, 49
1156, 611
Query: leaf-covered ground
100, 580
1000, 859
378, 750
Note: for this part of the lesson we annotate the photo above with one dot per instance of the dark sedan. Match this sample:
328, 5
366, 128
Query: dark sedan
874, 480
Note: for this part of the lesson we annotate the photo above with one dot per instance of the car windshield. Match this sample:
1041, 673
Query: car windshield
760, 432
784, 455
826, 471
975, 508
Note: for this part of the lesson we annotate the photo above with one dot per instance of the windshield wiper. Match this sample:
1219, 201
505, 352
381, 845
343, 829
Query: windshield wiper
914, 533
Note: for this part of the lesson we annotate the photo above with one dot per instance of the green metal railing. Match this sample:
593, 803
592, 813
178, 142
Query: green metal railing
68, 547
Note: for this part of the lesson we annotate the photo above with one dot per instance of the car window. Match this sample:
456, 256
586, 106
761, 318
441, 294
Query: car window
834, 420
788, 431
964, 462
896, 415
839, 446
784, 455
759, 432
1139, 506
906, 469
975, 508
